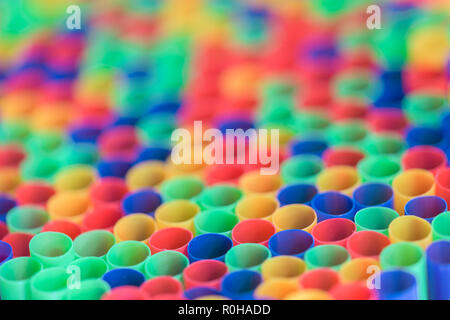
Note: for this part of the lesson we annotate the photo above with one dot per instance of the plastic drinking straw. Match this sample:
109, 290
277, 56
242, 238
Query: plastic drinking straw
215, 221
240, 285
294, 216
384, 144
275, 289
11, 155
220, 197
40, 167
123, 277
426, 207
424, 157
113, 167
286, 267
296, 193
3, 229
308, 146
256, 206
397, 285
438, 270
443, 184
79, 154
338, 178
177, 213
136, 226
253, 231
309, 294
375, 218
9, 180
441, 226
148, 174
373, 194
6, 204
359, 270
321, 278
95, 243
88, 268
223, 173
162, 288
342, 156
174, 238
335, 231
378, 169
350, 133
410, 184
142, 201
59, 210
246, 256
52, 249
15, 276
411, 258
154, 153
49, 284
166, 263
124, 293
74, 178
27, 219
411, 229
211, 246
424, 108
6, 252
19, 242
108, 191
92, 289
290, 242
353, 291
302, 168
182, 188
199, 292
204, 273
67, 227
326, 256
255, 182
367, 244
128, 254
101, 217
417, 136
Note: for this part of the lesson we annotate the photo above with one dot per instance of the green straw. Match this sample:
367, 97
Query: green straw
410, 257
379, 169
389, 145
52, 249
78, 153
247, 256
311, 123
166, 263
424, 109
187, 188
50, 284
15, 276
89, 267
215, 221
441, 226
95, 243
14, 131
375, 219
347, 134
29, 219
326, 256
157, 128
358, 85
40, 167
219, 196
128, 254
301, 168
92, 289
44, 142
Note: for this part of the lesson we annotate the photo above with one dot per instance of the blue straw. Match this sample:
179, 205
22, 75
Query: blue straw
426, 207
123, 277
396, 285
311, 146
373, 194
6, 204
199, 292
333, 204
438, 268
143, 201
300, 193
209, 246
240, 285
6, 252
291, 243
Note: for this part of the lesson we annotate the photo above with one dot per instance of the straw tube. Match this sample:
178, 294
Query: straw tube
298, 193
429, 158
443, 184
108, 191
375, 219
294, 216
27, 219
326, 256
74, 178
182, 188
162, 288
174, 238
441, 226
128, 254
338, 178
67, 227
59, 210
359, 270
166, 263
286, 267
215, 221
253, 231
373, 194
256, 206
275, 289
410, 184
49, 284
320, 278
301, 168
367, 244
136, 226
211, 246
147, 174
397, 285
438, 268
89, 267
255, 182
92, 289
142, 201
240, 285
95, 243
426, 207
409, 257
333, 231
290, 242
333, 205
123, 277
15, 276
177, 213
52, 249
378, 169
247, 256
353, 291
204, 273
411, 229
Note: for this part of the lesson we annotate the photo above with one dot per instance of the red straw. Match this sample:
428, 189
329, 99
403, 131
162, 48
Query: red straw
367, 244
424, 157
69, 228
353, 291
322, 278
3, 230
163, 288
11, 156
36, 193
253, 231
174, 238
343, 156
443, 184
124, 293
204, 273
333, 231
102, 217
108, 191
19, 242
